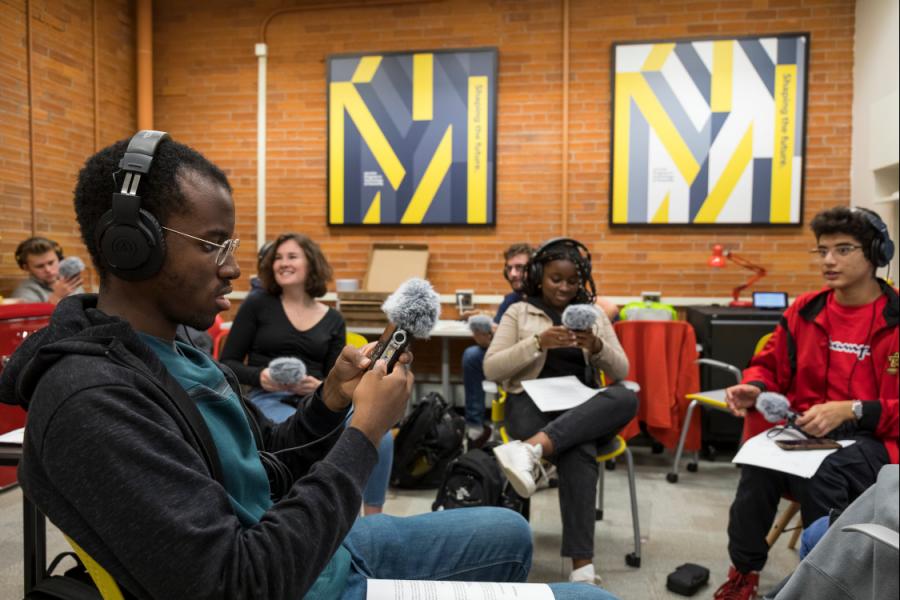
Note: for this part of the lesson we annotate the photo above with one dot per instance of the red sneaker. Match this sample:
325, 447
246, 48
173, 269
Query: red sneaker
739, 586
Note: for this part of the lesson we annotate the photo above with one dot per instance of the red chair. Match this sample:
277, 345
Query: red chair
17, 321
218, 332
661, 357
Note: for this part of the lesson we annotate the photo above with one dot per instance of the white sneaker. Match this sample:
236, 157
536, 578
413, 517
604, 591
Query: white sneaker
585, 574
522, 464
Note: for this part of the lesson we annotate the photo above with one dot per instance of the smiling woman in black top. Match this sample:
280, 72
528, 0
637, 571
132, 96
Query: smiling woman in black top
286, 320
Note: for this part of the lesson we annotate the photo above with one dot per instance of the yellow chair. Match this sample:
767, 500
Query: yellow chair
714, 399
109, 589
356, 340
782, 523
608, 452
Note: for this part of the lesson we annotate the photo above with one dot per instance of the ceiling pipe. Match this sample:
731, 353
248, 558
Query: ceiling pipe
262, 53
96, 75
30, 116
565, 118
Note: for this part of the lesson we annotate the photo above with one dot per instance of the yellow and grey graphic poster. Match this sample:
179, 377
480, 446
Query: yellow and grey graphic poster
412, 138
709, 132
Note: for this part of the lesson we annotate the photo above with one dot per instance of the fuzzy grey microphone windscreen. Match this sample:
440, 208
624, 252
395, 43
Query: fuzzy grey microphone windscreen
415, 307
481, 324
70, 266
287, 370
580, 317
774, 407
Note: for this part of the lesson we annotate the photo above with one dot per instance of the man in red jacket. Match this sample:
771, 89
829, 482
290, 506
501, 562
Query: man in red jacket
835, 356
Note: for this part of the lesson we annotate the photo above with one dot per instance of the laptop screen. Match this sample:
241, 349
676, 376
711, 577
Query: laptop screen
770, 299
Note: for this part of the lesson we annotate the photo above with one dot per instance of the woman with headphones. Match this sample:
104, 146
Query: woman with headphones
532, 343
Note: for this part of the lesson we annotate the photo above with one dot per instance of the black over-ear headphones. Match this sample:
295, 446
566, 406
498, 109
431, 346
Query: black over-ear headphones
535, 268
129, 239
882, 249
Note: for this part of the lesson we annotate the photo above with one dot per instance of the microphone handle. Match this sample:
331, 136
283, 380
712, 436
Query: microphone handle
392, 343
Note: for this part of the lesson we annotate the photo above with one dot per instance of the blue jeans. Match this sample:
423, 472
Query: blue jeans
376, 488
271, 405
812, 534
473, 375
464, 544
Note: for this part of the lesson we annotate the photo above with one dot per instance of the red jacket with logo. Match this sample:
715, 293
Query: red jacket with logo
793, 363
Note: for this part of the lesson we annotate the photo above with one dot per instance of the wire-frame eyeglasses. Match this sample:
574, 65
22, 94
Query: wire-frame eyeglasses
226, 248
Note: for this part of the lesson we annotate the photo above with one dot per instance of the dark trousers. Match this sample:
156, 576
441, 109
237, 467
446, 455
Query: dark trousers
843, 476
576, 434
473, 375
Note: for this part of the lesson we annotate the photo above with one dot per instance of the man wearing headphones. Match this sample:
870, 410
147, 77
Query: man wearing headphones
141, 449
40, 257
515, 258
835, 356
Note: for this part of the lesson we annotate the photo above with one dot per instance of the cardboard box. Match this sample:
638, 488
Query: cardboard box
390, 264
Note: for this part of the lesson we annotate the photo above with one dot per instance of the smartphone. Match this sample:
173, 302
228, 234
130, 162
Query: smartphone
816, 444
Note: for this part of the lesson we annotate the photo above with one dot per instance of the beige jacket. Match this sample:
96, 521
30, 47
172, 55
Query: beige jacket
513, 356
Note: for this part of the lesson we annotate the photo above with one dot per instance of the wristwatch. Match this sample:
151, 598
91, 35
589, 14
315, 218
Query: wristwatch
537, 342
857, 408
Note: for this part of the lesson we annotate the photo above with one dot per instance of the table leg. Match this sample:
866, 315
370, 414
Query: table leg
445, 368
35, 544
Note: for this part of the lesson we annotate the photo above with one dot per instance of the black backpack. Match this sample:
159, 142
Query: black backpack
430, 437
74, 584
475, 479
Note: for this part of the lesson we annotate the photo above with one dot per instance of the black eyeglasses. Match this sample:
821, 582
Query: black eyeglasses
226, 248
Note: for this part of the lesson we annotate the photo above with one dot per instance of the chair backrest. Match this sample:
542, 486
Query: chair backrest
219, 333
219, 342
355, 339
661, 357
761, 343
754, 423
648, 311
17, 321
107, 586
215, 328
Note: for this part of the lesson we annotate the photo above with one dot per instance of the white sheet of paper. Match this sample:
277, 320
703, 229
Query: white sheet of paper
558, 393
761, 451
395, 589
13, 437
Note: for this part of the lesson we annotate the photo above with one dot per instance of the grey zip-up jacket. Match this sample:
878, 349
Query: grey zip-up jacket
847, 565
110, 460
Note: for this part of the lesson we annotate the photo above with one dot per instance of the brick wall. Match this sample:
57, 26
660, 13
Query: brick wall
216, 111
63, 111
205, 95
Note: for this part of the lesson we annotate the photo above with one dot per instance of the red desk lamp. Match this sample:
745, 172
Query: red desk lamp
717, 260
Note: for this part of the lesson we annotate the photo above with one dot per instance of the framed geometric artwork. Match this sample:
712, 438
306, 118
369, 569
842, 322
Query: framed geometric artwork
709, 132
412, 138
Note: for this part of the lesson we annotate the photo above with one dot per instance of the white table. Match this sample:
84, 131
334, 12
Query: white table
443, 330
